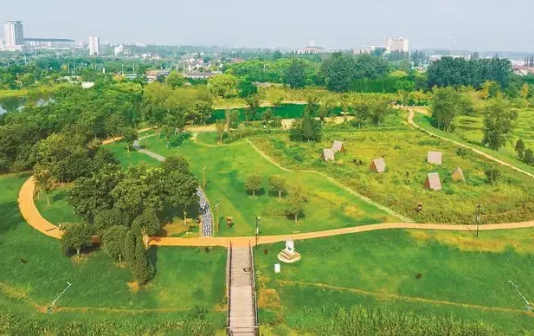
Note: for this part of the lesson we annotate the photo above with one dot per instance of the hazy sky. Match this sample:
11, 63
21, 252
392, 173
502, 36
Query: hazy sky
474, 24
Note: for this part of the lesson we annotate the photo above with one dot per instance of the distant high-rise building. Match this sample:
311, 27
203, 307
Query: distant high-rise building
118, 50
13, 35
396, 44
94, 45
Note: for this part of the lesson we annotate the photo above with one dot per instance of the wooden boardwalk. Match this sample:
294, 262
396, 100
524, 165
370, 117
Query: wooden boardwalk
242, 318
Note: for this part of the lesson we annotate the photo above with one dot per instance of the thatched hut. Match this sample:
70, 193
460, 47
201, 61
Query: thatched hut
328, 155
434, 158
338, 147
378, 165
458, 175
432, 182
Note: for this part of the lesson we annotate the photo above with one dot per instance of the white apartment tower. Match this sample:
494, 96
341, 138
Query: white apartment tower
396, 44
94, 46
13, 35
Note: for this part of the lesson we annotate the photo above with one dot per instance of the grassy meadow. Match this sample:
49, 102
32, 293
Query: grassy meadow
430, 273
401, 186
469, 129
35, 271
227, 167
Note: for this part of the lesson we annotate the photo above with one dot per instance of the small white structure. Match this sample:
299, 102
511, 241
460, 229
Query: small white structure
378, 165
87, 85
338, 147
276, 268
289, 255
136, 145
434, 158
433, 182
458, 175
328, 155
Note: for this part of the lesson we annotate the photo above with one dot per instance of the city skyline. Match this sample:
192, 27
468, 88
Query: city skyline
341, 25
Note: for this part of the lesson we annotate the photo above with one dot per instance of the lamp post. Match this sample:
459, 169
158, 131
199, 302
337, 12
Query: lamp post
204, 178
258, 219
217, 218
478, 217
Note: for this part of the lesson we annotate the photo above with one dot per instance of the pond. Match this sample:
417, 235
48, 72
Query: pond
10, 104
285, 111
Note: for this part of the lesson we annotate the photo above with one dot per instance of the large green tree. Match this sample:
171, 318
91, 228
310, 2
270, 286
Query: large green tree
43, 181
278, 184
447, 104
114, 240
76, 236
296, 202
499, 121
91, 195
108, 218
295, 75
141, 188
224, 85
254, 183
136, 256
175, 79
149, 223
339, 72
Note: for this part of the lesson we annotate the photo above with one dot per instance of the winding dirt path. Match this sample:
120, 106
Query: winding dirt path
32, 215
479, 152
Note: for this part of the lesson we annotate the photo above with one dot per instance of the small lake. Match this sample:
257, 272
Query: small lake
11, 104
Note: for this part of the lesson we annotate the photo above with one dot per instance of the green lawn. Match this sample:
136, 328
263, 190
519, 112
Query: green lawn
401, 186
381, 268
227, 167
35, 271
469, 131
59, 211
130, 158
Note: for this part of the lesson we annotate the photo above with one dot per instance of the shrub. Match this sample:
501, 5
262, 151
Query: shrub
492, 175
462, 152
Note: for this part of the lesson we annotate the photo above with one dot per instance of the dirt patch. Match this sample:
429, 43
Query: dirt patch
134, 287
174, 229
221, 308
14, 292
268, 298
121, 264
467, 242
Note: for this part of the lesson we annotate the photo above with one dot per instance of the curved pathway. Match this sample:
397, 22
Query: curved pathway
487, 156
32, 215
35, 219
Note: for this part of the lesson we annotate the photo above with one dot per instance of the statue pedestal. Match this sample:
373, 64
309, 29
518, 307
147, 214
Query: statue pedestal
288, 257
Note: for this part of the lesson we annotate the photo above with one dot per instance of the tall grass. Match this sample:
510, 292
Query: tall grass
361, 321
